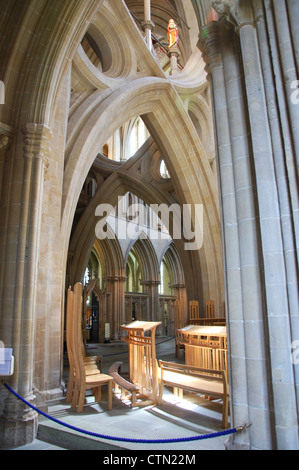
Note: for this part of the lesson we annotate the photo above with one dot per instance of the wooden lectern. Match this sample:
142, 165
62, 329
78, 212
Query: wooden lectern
143, 365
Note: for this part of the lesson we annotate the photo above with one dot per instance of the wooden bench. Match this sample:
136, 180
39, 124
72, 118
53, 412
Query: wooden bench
122, 383
207, 382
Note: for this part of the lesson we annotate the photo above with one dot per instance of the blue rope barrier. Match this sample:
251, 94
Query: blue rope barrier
124, 439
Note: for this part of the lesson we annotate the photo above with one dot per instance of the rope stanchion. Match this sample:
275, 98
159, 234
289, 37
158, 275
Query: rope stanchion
124, 439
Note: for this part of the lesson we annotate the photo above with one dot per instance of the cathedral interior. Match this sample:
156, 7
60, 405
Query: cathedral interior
149, 151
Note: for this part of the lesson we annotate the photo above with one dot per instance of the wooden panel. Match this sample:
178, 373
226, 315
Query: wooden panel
210, 358
143, 366
205, 346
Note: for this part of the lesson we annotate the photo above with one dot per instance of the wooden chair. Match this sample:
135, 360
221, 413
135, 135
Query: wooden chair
210, 309
93, 364
84, 373
193, 311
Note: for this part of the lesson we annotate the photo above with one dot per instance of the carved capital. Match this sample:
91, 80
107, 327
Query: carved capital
209, 44
36, 141
237, 12
178, 286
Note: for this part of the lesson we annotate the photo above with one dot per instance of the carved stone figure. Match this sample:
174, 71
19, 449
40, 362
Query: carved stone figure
172, 33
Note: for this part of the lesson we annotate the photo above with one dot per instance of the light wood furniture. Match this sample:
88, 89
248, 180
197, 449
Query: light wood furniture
205, 346
84, 373
204, 381
219, 321
193, 311
143, 366
122, 384
93, 364
210, 309
205, 335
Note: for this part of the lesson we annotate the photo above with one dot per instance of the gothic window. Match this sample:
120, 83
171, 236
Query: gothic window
163, 170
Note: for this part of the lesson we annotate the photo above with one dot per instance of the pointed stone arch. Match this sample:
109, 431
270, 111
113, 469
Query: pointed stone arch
170, 253
190, 171
108, 250
147, 258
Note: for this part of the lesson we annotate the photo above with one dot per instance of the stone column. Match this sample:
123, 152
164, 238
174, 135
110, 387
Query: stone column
210, 44
173, 54
278, 115
293, 15
19, 423
4, 145
286, 424
148, 25
151, 287
121, 303
288, 66
115, 285
284, 171
5, 185
271, 380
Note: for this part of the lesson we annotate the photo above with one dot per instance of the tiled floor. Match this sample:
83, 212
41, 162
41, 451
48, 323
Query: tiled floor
170, 420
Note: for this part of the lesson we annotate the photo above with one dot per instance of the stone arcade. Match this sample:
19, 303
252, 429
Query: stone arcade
220, 122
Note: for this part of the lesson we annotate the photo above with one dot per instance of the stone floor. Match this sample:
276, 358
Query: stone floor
173, 419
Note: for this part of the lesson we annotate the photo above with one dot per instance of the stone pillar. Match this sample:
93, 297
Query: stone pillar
210, 44
255, 327
278, 115
254, 210
173, 54
4, 145
151, 288
115, 315
285, 172
282, 373
121, 302
293, 15
5, 185
148, 25
289, 69
19, 423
